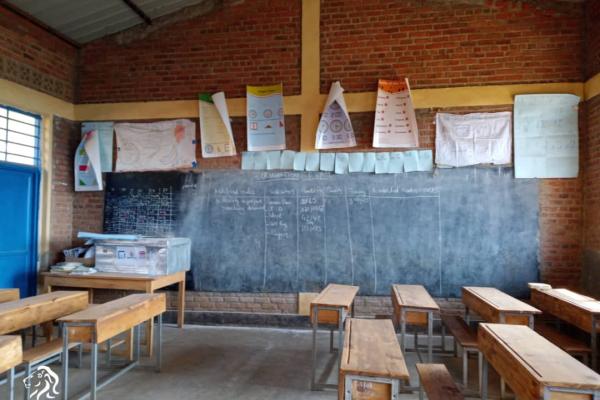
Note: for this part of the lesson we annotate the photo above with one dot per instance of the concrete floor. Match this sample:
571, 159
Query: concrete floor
201, 362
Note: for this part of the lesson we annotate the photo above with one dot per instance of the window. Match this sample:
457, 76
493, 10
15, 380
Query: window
19, 136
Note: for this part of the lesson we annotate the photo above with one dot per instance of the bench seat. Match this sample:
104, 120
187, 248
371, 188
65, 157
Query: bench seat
463, 334
567, 343
45, 351
437, 382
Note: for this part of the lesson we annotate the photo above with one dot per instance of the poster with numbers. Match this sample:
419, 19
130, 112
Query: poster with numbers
265, 118
395, 120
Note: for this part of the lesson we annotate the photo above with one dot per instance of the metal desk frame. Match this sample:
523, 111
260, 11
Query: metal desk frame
342, 314
429, 313
94, 384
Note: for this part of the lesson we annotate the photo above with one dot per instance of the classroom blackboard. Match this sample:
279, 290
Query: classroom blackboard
276, 231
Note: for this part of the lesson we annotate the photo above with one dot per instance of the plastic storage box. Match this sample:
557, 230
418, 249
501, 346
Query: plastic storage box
148, 255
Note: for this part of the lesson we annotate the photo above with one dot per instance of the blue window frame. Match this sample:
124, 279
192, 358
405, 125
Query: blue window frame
19, 136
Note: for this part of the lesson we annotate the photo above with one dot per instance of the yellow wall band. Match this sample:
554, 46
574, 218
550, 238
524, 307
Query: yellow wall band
592, 87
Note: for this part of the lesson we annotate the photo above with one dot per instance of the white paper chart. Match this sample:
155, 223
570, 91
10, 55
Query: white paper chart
215, 128
395, 120
546, 136
265, 118
335, 129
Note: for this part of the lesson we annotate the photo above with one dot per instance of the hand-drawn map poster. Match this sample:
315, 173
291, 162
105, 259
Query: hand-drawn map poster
546, 136
265, 118
156, 146
395, 120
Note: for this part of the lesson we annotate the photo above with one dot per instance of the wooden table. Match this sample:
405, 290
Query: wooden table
21, 314
134, 282
372, 365
534, 367
102, 322
330, 307
574, 308
12, 353
494, 305
413, 305
9, 295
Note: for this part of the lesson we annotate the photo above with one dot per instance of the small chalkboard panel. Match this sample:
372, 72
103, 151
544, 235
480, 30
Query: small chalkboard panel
292, 232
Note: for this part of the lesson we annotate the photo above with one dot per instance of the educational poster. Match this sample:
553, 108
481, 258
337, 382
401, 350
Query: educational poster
156, 146
470, 139
335, 129
105, 137
216, 135
395, 120
265, 118
88, 174
546, 136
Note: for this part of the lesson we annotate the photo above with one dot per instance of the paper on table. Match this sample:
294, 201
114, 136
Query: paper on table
327, 162
313, 161
247, 160
382, 162
287, 159
265, 117
369, 163
260, 160
411, 161
396, 165
88, 174
299, 161
425, 160
156, 146
216, 134
341, 163
273, 160
355, 162
479, 138
546, 136
335, 129
395, 120
105, 137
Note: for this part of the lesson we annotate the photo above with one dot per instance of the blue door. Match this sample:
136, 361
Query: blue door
19, 187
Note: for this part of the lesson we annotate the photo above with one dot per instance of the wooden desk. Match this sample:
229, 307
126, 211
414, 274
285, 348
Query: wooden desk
574, 308
534, 367
494, 305
20, 314
134, 282
372, 365
330, 307
12, 355
9, 295
104, 321
413, 305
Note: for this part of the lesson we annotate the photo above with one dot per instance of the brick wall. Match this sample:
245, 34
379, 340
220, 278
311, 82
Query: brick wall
449, 43
32, 57
239, 43
592, 38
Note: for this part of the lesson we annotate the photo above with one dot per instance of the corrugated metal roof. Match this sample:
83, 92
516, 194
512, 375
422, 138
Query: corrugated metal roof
86, 20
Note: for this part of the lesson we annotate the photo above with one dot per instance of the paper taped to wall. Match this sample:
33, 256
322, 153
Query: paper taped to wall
216, 135
335, 129
156, 146
265, 118
470, 139
88, 174
395, 120
546, 136
105, 138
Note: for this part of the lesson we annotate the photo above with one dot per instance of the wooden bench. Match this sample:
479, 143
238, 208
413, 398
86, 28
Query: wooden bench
466, 338
373, 365
568, 343
437, 382
11, 352
102, 322
9, 295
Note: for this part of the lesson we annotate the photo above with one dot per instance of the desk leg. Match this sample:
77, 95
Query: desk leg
149, 333
11, 384
467, 316
315, 321
429, 336
484, 378
65, 363
531, 321
403, 329
181, 304
158, 343
341, 318
94, 371
594, 338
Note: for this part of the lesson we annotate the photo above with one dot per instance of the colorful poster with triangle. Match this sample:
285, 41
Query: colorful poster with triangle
265, 118
395, 120
88, 173
335, 128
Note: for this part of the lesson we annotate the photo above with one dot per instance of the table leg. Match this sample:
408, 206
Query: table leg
341, 317
65, 363
467, 316
484, 378
403, 329
429, 335
149, 333
11, 384
181, 304
594, 339
94, 371
158, 343
315, 321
